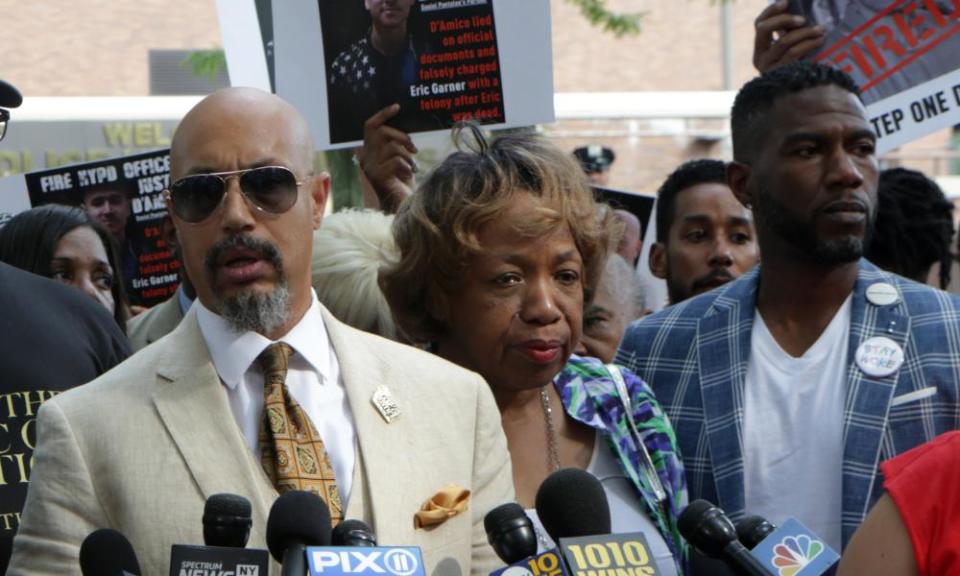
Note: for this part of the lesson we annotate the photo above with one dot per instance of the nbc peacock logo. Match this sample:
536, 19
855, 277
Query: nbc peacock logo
794, 553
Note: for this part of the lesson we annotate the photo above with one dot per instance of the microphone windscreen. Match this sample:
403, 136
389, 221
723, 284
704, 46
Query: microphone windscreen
353, 533
226, 520
297, 517
572, 503
752, 530
706, 527
510, 532
106, 552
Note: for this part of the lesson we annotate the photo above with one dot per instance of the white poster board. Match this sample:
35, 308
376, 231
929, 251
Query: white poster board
490, 60
904, 55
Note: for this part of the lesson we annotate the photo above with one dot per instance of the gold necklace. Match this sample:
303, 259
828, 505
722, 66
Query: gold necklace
553, 452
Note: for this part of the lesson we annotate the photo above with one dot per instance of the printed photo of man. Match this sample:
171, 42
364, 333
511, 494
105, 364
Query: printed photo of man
374, 71
111, 207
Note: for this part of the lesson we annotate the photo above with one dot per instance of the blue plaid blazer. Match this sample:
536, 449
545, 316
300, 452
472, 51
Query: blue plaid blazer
694, 356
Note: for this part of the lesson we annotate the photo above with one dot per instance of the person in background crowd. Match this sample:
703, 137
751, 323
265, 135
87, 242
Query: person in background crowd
54, 338
912, 529
615, 304
631, 243
348, 252
158, 321
499, 248
816, 353
596, 161
705, 236
63, 243
914, 227
188, 415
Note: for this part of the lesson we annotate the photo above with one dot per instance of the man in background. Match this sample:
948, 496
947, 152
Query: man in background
705, 236
816, 353
596, 161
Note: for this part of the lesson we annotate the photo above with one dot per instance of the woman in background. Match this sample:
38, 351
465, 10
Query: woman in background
66, 245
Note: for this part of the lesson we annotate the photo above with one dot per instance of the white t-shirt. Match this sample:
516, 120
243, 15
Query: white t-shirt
626, 512
793, 429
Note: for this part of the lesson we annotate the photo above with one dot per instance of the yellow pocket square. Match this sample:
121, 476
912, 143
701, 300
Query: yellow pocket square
445, 504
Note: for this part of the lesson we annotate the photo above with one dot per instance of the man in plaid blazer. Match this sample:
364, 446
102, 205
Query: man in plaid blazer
805, 161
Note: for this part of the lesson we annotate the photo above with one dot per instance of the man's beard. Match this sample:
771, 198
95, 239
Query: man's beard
250, 310
776, 219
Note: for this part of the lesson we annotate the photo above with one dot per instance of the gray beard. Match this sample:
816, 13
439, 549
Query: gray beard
252, 311
257, 312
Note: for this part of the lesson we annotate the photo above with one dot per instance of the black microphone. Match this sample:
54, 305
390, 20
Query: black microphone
227, 521
106, 552
572, 503
709, 530
297, 520
510, 532
751, 530
354, 533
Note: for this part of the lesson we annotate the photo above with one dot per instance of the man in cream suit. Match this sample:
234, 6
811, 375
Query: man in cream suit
141, 448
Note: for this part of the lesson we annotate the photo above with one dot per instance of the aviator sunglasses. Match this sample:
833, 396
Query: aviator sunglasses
271, 189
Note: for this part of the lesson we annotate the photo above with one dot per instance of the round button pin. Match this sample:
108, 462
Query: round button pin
879, 357
882, 294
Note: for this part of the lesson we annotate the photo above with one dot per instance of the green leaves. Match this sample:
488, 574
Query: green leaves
205, 63
598, 14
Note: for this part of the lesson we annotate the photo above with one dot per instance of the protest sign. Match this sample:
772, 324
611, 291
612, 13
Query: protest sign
126, 195
341, 61
904, 55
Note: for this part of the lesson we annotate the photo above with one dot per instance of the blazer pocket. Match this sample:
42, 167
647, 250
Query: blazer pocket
914, 396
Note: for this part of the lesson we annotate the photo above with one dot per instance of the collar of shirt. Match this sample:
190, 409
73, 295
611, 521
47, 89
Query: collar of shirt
183, 300
234, 352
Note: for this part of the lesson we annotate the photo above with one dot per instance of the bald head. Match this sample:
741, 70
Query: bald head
248, 259
260, 119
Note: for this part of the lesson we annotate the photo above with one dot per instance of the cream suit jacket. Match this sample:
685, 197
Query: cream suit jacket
142, 447
155, 323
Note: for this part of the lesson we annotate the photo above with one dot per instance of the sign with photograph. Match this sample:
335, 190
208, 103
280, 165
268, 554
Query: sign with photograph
125, 195
341, 61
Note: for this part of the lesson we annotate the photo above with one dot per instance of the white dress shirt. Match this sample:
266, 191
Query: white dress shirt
313, 379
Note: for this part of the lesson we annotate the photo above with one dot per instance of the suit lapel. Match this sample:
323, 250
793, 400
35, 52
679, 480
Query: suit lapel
193, 405
723, 345
867, 398
386, 448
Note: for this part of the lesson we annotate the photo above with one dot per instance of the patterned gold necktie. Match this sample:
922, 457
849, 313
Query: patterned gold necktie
291, 449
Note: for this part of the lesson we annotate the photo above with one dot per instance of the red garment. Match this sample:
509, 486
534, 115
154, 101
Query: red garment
924, 483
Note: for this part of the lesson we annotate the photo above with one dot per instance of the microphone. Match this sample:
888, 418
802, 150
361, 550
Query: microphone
792, 547
106, 552
226, 521
510, 532
297, 519
353, 533
572, 503
352, 550
709, 530
751, 530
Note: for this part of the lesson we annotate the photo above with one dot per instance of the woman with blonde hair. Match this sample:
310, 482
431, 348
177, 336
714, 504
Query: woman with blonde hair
500, 248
